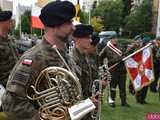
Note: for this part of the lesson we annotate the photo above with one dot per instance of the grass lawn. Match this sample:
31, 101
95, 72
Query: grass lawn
136, 111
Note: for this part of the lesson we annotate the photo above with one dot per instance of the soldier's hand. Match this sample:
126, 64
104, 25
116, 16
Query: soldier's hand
105, 83
95, 100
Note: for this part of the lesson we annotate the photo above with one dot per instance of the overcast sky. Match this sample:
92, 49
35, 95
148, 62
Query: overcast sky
30, 2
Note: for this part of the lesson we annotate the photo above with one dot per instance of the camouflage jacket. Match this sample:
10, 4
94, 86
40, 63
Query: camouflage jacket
87, 68
30, 65
113, 58
7, 59
24, 74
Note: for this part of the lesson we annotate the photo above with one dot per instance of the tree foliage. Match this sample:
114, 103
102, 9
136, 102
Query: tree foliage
126, 7
97, 24
25, 22
84, 17
140, 18
111, 13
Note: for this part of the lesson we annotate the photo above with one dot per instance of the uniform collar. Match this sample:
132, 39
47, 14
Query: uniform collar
49, 46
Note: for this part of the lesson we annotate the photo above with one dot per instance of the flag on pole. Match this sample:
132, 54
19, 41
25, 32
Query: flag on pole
36, 22
36, 10
140, 68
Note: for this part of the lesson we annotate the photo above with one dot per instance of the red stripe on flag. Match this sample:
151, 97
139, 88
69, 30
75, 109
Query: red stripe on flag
144, 80
133, 72
36, 22
138, 57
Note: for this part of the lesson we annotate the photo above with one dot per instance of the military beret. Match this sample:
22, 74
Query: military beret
95, 39
5, 15
57, 12
83, 30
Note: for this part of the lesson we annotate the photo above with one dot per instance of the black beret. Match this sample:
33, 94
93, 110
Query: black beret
83, 30
5, 15
57, 12
95, 39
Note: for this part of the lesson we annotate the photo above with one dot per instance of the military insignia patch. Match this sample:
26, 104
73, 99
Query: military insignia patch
27, 62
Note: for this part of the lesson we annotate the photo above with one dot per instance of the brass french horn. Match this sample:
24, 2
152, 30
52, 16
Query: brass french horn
55, 90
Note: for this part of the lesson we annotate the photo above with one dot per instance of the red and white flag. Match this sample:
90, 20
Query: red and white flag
140, 68
36, 10
36, 22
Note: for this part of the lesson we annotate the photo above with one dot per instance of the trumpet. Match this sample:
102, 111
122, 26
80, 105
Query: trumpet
107, 75
97, 87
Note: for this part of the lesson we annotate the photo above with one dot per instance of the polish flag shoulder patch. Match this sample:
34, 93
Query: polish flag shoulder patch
27, 62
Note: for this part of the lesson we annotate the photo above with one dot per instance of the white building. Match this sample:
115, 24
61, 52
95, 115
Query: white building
6, 5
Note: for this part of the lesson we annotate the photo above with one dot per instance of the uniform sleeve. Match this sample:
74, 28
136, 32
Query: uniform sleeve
112, 57
20, 77
7, 63
17, 107
16, 100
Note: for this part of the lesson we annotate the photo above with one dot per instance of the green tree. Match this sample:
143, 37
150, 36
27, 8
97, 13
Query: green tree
126, 7
84, 17
97, 24
25, 22
140, 19
111, 13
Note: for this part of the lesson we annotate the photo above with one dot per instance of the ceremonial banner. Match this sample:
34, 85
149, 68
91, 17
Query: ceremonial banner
36, 22
140, 68
36, 10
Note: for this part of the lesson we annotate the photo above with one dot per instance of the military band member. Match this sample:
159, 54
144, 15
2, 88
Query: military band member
56, 17
113, 51
82, 38
156, 62
85, 56
7, 55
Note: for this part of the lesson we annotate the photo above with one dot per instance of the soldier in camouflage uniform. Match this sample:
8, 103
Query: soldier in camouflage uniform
85, 57
156, 63
58, 26
7, 53
82, 43
118, 73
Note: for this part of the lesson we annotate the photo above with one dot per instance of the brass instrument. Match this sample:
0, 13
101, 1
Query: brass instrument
104, 74
55, 90
109, 78
95, 89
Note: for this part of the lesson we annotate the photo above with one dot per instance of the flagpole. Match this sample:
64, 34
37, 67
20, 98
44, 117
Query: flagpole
125, 58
